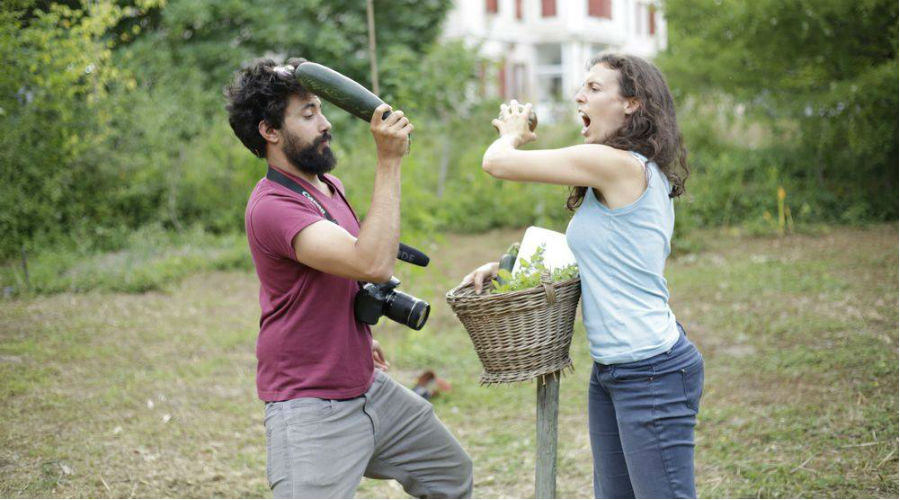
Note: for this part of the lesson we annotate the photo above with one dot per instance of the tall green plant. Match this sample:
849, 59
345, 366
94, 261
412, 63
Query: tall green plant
58, 106
822, 76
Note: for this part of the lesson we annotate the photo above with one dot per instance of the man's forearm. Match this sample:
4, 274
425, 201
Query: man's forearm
379, 235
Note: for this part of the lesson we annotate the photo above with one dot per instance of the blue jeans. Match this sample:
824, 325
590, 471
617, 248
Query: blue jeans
641, 417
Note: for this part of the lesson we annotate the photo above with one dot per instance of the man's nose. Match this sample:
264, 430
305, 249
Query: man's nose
325, 125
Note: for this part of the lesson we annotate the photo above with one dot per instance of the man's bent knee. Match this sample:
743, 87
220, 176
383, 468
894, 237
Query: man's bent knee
467, 477
463, 478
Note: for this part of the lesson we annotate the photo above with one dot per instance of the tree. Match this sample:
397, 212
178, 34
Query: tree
440, 90
57, 103
188, 50
826, 69
212, 38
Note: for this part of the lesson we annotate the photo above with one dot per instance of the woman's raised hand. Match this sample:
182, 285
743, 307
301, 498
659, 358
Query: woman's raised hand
513, 122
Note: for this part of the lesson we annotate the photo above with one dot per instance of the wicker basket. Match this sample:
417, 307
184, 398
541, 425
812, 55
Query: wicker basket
519, 335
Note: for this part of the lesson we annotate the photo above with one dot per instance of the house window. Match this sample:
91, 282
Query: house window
652, 13
639, 19
490, 6
519, 82
549, 72
550, 88
548, 8
549, 54
600, 8
518, 9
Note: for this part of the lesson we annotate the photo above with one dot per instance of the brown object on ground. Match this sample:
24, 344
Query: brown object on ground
430, 385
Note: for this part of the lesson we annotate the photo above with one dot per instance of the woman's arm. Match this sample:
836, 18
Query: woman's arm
592, 165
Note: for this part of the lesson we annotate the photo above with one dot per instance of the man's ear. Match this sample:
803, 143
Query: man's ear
269, 133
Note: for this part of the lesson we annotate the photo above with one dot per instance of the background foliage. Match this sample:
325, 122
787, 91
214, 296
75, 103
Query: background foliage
808, 94
111, 115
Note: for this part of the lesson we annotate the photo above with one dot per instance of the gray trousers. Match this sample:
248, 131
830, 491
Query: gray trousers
320, 448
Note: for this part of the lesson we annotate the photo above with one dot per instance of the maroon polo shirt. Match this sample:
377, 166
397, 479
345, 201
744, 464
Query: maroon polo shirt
310, 344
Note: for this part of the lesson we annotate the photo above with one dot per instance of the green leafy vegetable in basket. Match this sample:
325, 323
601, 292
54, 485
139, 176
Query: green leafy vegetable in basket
529, 274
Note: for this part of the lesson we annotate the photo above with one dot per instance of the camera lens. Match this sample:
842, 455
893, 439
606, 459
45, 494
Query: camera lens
419, 315
407, 310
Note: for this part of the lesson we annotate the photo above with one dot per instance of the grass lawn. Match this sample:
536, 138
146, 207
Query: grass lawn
110, 394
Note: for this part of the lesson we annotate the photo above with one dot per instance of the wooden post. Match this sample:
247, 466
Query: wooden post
547, 417
25, 268
373, 63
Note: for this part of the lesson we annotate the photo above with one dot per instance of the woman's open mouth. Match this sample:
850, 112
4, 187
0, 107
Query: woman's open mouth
587, 122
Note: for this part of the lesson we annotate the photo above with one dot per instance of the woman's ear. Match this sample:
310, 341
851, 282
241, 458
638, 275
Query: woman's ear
631, 105
269, 133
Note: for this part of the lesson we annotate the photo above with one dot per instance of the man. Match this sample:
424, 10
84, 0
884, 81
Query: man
330, 417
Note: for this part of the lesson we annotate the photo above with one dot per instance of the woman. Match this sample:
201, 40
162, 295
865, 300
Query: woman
647, 377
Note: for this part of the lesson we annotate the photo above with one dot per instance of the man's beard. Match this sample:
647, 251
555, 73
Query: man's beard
308, 159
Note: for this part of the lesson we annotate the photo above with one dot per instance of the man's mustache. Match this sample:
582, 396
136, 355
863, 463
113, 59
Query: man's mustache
322, 138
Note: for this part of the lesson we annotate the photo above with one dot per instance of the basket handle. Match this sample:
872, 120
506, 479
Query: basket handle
549, 289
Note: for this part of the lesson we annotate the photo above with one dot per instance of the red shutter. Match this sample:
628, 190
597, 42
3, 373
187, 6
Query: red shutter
518, 9
652, 11
490, 6
600, 8
548, 8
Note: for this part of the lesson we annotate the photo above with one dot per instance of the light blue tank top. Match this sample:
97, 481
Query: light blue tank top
621, 257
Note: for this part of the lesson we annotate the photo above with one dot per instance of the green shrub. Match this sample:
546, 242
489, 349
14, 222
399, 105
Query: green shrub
148, 259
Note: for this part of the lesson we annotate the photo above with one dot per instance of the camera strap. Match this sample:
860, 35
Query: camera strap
276, 176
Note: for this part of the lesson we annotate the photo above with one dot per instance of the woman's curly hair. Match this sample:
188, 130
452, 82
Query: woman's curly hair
652, 130
261, 92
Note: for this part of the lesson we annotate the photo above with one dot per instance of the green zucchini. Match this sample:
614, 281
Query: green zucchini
508, 260
339, 90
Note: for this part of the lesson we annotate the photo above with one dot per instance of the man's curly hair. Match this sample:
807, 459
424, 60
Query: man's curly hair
261, 92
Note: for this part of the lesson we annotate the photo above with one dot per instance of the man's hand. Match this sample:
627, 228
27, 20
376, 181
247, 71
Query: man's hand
391, 134
478, 276
378, 357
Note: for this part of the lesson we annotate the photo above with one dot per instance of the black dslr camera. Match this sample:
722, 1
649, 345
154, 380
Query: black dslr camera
376, 299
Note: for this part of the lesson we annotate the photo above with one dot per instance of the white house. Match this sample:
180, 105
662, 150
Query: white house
540, 47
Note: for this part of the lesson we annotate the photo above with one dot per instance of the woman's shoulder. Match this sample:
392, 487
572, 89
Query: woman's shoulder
615, 163
641, 158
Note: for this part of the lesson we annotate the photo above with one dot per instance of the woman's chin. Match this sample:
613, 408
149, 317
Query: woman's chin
590, 136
